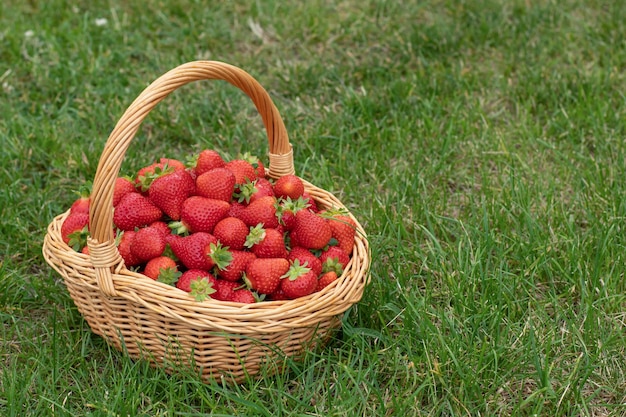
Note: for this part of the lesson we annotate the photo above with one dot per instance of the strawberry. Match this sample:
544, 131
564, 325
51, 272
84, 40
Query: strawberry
75, 229
256, 163
298, 281
147, 174
343, 228
135, 210
231, 232
218, 184
81, 204
242, 169
162, 227
192, 250
169, 192
201, 214
306, 257
325, 280
124, 241
312, 230
173, 163
266, 243
236, 209
311, 202
334, 259
262, 211
234, 270
243, 296
198, 283
224, 289
162, 269
207, 160
278, 295
253, 190
123, 186
263, 274
289, 186
148, 243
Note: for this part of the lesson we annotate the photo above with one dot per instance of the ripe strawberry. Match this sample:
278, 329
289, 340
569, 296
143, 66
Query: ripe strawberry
162, 269
147, 174
231, 232
81, 204
243, 296
299, 281
256, 163
263, 274
325, 280
311, 202
343, 228
242, 169
124, 241
262, 211
224, 289
234, 270
123, 186
148, 243
334, 259
207, 160
173, 163
192, 250
169, 192
135, 210
278, 295
75, 229
289, 186
199, 284
236, 209
162, 227
218, 184
201, 214
266, 243
307, 258
312, 230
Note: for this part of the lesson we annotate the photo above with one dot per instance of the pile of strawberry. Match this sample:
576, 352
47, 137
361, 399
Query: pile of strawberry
220, 228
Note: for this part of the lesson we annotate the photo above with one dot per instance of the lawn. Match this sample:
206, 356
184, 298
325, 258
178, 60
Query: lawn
480, 143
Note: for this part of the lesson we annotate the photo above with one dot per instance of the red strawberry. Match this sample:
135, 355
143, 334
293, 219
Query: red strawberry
262, 211
242, 295
287, 209
299, 281
162, 269
236, 209
123, 186
334, 259
234, 270
289, 186
224, 289
325, 280
148, 243
307, 258
174, 163
313, 231
135, 210
266, 243
162, 227
278, 295
192, 250
201, 214
170, 191
242, 169
124, 241
311, 202
263, 274
207, 160
256, 163
199, 284
218, 184
343, 229
231, 232
75, 229
147, 174
81, 204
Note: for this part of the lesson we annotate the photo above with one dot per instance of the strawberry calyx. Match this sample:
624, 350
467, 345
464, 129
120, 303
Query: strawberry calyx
78, 239
201, 289
220, 255
178, 228
146, 178
245, 191
256, 235
296, 270
332, 264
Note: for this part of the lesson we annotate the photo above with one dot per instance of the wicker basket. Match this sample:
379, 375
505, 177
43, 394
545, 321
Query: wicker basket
151, 320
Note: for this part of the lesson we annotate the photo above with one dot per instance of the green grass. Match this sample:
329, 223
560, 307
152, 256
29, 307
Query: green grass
480, 143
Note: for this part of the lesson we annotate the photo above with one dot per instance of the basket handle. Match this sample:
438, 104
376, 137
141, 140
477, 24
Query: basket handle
101, 244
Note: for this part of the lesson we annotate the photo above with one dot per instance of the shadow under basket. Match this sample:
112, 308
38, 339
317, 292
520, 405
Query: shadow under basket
154, 321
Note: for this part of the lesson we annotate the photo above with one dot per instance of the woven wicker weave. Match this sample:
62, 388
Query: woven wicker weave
151, 320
